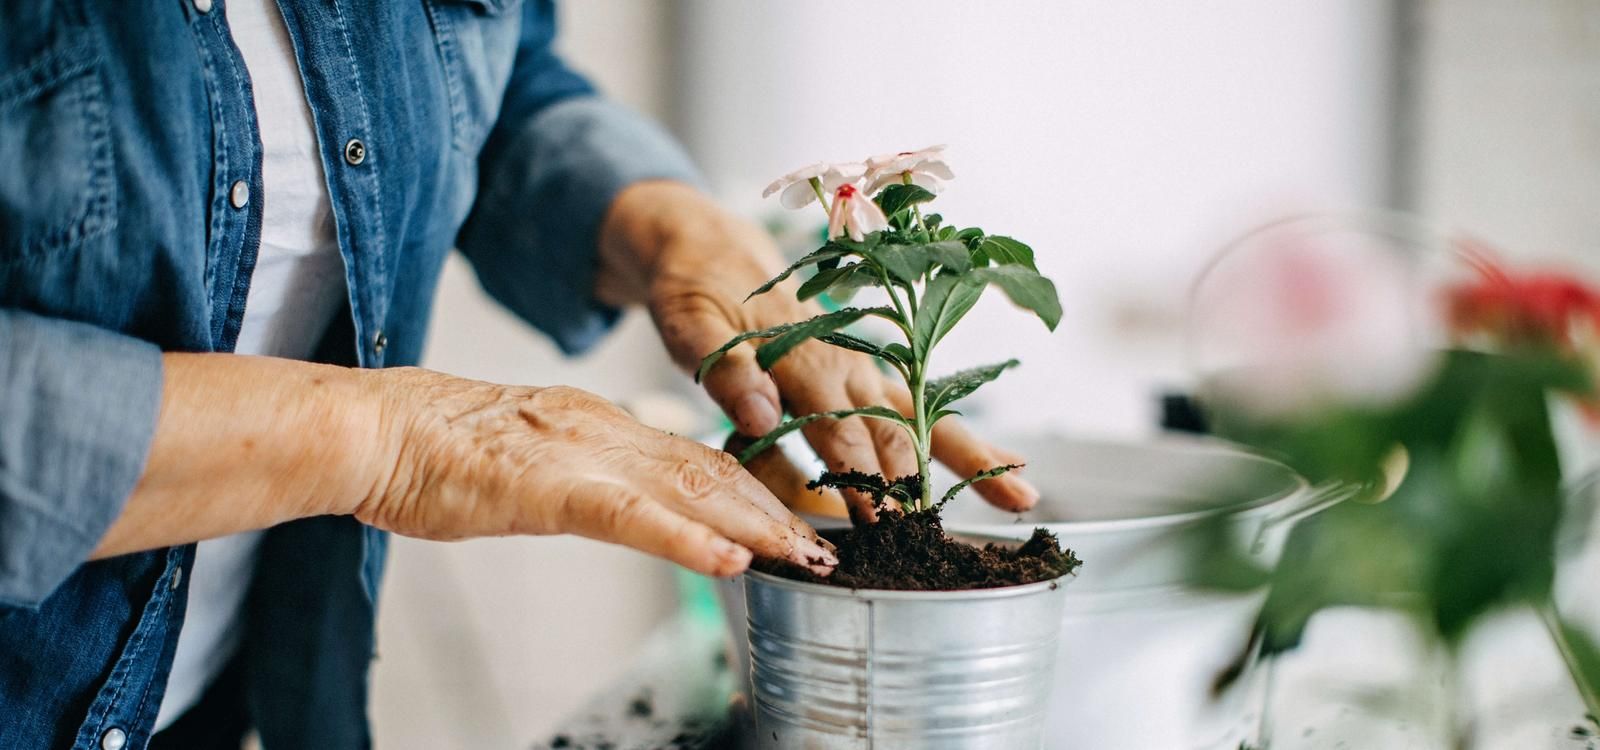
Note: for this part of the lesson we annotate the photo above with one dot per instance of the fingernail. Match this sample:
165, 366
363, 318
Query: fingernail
813, 555
827, 545
731, 552
1025, 493
755, 414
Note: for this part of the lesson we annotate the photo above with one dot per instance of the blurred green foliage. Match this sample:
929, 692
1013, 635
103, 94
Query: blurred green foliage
1469, 529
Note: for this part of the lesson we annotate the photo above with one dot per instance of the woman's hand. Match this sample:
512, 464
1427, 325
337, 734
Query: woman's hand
693, 264
476, 459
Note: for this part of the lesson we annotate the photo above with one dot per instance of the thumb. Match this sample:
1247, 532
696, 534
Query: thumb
694, 328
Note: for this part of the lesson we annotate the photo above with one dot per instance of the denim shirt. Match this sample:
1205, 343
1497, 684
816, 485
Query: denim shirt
130, 212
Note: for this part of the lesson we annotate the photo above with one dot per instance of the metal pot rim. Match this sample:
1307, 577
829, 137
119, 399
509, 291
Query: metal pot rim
840, 592
1295, 493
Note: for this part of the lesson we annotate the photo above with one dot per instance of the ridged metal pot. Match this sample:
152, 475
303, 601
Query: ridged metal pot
1141, 647
840, 669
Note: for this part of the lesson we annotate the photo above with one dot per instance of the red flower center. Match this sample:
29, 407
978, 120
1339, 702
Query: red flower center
846, 191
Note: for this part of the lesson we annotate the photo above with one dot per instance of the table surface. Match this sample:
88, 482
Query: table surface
1363, 679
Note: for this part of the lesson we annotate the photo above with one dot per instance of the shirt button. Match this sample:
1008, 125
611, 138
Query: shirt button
355, 152
204, 6
379, 342
113, 739
177, 579
239, 196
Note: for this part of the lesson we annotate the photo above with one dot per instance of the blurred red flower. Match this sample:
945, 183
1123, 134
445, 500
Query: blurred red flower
1526, 309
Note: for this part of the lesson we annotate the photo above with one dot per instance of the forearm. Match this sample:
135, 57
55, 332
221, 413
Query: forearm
245, 443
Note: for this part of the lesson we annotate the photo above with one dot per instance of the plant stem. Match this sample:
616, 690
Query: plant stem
905, 315
816, 187
919, 417
916, 210
1589, 692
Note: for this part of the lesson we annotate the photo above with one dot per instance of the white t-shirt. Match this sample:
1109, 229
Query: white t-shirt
297, 287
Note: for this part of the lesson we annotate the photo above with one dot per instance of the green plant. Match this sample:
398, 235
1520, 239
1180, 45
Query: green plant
1470, 525
932, 274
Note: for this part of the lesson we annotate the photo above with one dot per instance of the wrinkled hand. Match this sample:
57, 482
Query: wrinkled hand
699, 263
476, 459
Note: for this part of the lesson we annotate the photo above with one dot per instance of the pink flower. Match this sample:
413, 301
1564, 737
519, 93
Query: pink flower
854, 213
1304, 321
925, 167
801, 186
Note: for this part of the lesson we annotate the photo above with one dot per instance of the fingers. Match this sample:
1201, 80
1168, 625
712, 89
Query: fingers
616, 514
710, 486
693, 327
966, 455
896, 454
815, 380
745, 393
787, 482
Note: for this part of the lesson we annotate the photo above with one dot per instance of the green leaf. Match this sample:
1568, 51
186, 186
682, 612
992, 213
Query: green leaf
840, 283
832, 251
908, 263
898, 351
978, 477
904, 490
857, 344
766, 441
950, 254
941, 414
951, 388
848, 315
769, 353
1006, 251
1026, 288
1580, 653
872, 484
896, 198
945, 299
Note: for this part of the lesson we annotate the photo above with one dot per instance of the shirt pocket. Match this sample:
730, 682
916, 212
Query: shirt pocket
57, 186
477, 45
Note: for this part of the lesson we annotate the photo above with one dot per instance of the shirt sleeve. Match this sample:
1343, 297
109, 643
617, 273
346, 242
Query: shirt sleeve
78, 410
552, 165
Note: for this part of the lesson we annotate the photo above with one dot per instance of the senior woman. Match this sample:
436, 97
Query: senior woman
183, 182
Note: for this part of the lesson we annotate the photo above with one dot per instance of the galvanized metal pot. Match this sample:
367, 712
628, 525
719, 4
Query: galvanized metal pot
1140, 646
835, 669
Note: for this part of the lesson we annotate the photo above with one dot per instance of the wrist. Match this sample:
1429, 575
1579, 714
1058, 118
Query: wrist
358, 420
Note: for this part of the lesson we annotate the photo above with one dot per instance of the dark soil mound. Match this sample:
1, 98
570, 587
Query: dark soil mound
910, 552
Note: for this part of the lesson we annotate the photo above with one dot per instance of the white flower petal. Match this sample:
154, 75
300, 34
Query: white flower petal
841, 174
936, 168
801, 175
836, 216
927, 182
798, 195
865, 216
882, 181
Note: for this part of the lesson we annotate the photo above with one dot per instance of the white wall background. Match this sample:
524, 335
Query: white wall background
1510, 125
1124, 140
